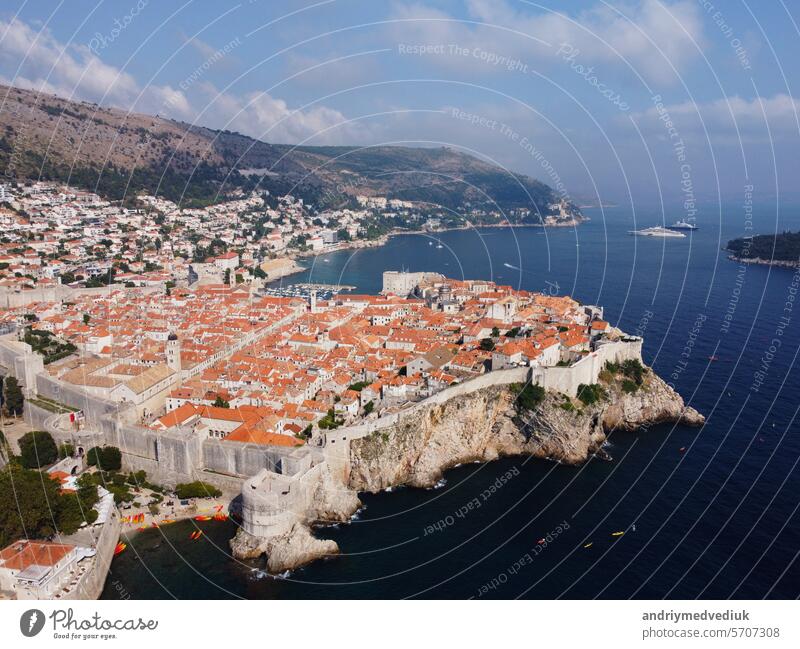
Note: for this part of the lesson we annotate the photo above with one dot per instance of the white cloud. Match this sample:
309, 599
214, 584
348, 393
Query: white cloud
650, 36
781, 112
262, 116
38, 61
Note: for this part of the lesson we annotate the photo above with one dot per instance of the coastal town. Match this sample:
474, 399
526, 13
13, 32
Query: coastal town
56, 235
164, 318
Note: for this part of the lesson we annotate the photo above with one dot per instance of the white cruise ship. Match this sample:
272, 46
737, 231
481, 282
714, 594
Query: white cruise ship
658, 231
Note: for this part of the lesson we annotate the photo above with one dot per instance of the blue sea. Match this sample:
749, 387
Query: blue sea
706, 513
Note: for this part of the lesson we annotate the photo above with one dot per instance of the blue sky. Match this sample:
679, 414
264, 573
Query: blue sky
636, 99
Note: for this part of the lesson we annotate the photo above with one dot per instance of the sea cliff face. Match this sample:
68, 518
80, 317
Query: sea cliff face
488, 424
482, 425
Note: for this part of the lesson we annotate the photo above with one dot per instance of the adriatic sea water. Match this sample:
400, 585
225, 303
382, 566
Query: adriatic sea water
710, 513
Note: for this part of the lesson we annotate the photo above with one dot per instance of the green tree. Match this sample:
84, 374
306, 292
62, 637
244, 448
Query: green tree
634, 370
38, 449
590, 394
487, 344
106, 458
29, 504
70, 513
197, 489
29, 499
87, 491
13, 401
529, 395
219, 402
65, 450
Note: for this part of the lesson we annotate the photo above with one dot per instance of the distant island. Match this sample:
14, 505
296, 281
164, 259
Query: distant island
781, 249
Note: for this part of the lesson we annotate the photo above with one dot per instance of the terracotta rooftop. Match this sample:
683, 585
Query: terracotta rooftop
22, 554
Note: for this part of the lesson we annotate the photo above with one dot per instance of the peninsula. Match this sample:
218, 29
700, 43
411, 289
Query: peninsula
287, 407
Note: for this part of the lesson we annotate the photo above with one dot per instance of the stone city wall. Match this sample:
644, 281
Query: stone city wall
95, 408
22, 363
586, 370
91, 584
560, 379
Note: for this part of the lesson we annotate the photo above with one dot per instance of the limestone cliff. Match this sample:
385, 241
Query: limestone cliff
483, 424
488, 424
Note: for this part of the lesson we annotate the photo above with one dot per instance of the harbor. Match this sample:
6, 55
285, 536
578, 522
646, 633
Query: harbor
304, 290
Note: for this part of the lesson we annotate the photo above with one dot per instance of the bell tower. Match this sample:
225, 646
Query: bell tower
173, 352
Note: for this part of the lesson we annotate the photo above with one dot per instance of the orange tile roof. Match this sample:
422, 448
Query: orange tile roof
250, 435
21, 554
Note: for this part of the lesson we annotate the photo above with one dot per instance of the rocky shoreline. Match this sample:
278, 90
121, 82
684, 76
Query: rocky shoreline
480, 426
486, 425
758, 261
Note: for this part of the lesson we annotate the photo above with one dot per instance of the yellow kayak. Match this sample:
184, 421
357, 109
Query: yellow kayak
588, 545
617, 533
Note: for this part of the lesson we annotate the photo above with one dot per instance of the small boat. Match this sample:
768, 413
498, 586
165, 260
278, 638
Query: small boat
167, 521
588, 545
202, 518
541, 542
681, 449
617, 533
713, 358
120, 548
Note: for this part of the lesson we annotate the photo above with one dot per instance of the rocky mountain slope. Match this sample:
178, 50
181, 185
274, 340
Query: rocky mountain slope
118, 153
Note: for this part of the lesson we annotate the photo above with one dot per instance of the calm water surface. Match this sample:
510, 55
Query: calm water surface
717, 519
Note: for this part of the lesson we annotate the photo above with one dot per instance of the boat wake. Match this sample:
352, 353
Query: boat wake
259, 574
